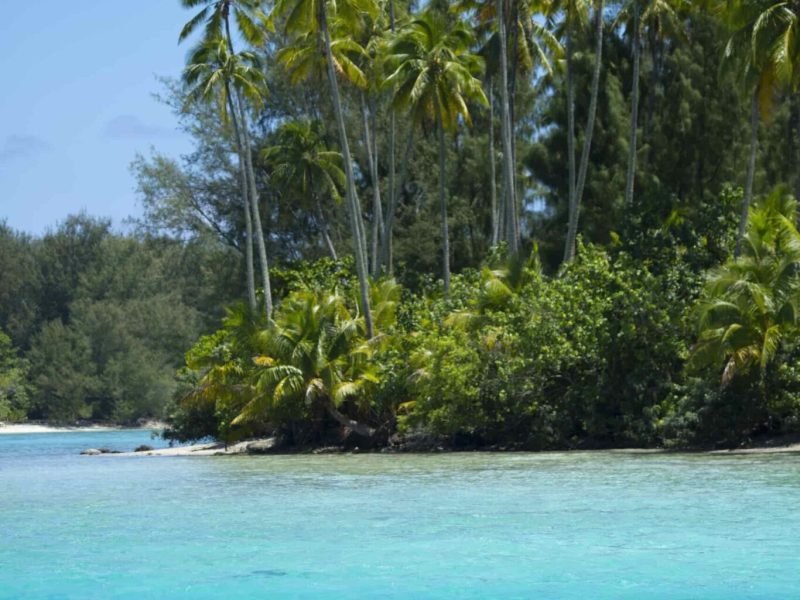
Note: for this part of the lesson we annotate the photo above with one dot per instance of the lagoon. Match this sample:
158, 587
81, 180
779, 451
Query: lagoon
596, 525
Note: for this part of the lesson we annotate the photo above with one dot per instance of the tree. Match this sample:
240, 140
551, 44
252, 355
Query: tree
14, 388
750, 305
434, 78
531, 45
764, 47
301, 157
641, 14
239, 80
573, 9
304, 17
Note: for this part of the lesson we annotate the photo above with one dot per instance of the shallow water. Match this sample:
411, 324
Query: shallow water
468, 526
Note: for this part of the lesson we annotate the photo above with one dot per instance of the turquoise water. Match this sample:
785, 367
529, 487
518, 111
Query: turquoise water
468, 526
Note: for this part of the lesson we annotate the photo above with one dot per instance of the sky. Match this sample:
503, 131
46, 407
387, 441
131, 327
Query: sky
77, 105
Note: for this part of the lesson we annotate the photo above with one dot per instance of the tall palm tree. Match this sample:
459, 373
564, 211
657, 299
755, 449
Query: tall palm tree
640, 14
372, 37
764, 47
506, 136
530, 45
304, 17
300, 158
434, 79
252, 24
576, 183
211, 75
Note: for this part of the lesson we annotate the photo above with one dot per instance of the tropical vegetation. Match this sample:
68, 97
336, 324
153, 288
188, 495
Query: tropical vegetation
507, 224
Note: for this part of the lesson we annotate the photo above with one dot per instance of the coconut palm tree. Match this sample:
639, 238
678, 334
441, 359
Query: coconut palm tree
215, 15
211, 75
308, 17
318, 354
434, 77
252, 24
574, 10
529, 45
752, 303
640, 15
300, 157
765, 50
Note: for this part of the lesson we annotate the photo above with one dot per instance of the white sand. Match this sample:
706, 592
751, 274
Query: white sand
9, 428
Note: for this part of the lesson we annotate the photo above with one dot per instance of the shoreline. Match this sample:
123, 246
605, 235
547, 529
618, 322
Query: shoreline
263, 446
29, 428
266, 446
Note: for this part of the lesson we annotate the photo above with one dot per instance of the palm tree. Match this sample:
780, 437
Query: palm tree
573, 10
317, 354
211, 74
763, 46
506, 136
252, 23
308, 17
532, 44
300, 156
372, 37
215, 14
640, 14
434, 78
752, 303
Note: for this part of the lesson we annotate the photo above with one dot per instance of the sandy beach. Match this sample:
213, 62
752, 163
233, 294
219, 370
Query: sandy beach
11, 428
19, 428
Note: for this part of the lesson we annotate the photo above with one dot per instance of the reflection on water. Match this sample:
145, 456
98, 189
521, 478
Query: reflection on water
555, 525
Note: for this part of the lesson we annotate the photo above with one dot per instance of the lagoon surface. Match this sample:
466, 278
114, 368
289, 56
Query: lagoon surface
463, 526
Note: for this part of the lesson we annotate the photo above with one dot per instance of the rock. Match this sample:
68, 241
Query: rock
105, 450
261, 446
91, 452
327, 450
144, 448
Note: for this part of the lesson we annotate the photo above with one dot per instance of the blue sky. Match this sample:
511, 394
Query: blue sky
76, 105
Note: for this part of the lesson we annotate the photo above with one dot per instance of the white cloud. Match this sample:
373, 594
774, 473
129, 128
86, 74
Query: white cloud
129, 126
22, 146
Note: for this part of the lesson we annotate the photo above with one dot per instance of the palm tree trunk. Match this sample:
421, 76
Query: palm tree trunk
352, 200
385, 258
394, 199
751, 169
512, 127
570, 135
243, 136
248, 223
379, 205
505, 134
443, 204
254, 206
360, 428
631, 174
322, 223
572, 231
492, 172
372, 163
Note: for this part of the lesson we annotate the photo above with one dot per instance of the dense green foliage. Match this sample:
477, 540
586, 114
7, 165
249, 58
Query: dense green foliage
383, 200
103, 319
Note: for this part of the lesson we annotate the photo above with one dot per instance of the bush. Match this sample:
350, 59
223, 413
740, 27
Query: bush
14, 393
